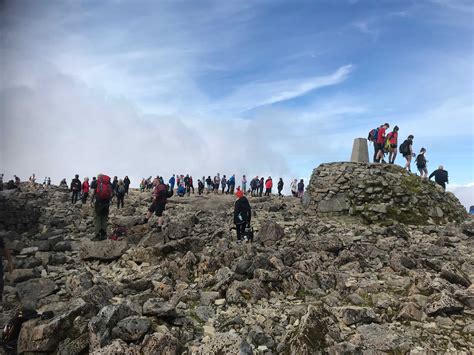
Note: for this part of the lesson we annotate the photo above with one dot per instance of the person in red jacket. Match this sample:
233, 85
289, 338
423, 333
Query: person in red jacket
381, 142
392, 137
268, 186
160, 196
85, 189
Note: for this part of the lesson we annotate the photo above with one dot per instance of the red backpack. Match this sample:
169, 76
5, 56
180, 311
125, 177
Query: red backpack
103, 191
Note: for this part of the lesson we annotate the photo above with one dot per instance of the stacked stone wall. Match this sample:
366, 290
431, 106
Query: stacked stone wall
380, 193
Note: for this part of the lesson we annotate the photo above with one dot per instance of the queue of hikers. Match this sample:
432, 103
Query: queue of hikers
386, 143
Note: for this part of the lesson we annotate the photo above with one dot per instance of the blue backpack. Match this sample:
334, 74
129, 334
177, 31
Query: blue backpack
373, 135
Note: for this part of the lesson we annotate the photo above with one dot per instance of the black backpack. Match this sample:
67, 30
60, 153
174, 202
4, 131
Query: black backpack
404, 147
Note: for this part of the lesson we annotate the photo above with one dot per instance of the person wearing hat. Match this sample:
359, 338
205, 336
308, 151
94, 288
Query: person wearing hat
242, 214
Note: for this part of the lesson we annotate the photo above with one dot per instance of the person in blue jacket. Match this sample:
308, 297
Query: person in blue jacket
172, 181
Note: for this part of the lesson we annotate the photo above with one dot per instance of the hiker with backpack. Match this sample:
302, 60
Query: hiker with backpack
120, 193
391, 145
421, 164
85, 190
75, 188
209, 184
254, 186
441, 177
4, 252
372, 137
406, 149
268, 186
242, 214
231, 184
126, 182
280, 186
380, 142
102, 195
223, 183
114, 184
158, 206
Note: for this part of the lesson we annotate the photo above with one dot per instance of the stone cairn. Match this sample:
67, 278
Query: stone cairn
378, 193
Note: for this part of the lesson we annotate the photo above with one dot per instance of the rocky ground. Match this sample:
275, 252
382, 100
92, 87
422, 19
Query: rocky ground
307, 284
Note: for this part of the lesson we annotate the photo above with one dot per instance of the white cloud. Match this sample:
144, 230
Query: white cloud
465, 193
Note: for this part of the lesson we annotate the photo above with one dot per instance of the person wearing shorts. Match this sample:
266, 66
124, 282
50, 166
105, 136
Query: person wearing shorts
379, 146
393, 139
160, 195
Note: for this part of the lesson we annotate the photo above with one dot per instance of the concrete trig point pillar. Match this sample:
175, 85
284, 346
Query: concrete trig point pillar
360, 151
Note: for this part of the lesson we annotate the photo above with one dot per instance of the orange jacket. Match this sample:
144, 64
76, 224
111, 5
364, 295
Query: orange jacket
269, 184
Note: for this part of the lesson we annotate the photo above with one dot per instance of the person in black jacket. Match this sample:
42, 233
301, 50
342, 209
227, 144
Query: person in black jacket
242, 214
126, 183
75, 188
441, 177
280, 186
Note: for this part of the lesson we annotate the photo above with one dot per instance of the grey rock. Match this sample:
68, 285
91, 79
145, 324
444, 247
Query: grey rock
32, 291
131, 328
270, 233
354, 315
442, 303
159, 343
20, 275
158, 308
105, 250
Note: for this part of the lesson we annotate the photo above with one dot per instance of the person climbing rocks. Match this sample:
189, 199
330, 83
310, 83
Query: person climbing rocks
126, 183
421, 164
244, 184
121, 190
261, 184
158, 206
5, 252
392, 139
380, 142
102, 195
242, 214
406, 149
268, 186
280, 186
49, 181
301, 189
85, 190
172, 181
441, 177
75, 188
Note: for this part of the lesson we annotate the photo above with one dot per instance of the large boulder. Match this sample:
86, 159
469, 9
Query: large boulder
32, 291
44, 336
160, 343
104, 250
131, 328
100, 327
270, 233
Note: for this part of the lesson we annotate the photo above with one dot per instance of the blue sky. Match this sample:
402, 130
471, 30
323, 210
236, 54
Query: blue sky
256, 87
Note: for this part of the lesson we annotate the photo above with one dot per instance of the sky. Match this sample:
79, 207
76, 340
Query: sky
262, 87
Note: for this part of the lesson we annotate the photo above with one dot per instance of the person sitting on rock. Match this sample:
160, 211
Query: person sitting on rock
120, 193
4, 251
181, 190
160, 196
421, 163
441, 177
242, 214
75, 188
85, 190
280, 187
102, 195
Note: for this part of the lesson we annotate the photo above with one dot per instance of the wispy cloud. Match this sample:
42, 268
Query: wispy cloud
253, 95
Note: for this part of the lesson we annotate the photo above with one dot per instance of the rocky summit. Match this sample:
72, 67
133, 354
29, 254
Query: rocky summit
374, 261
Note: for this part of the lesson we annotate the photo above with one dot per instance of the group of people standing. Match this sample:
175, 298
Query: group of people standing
387, 143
